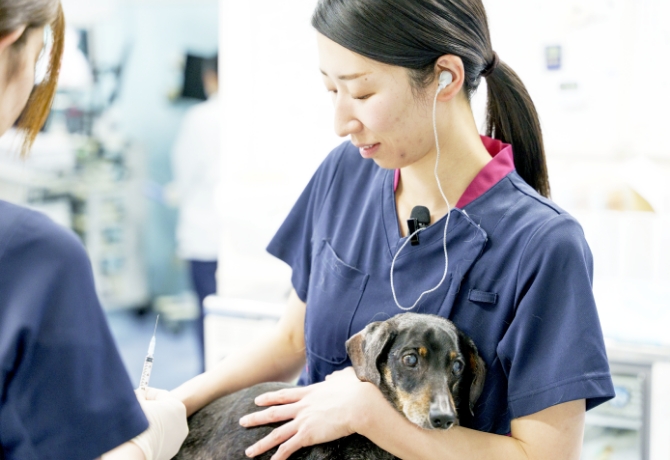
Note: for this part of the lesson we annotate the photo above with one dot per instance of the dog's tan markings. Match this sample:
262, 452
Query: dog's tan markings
423, 352
388, 377
416, 405
453, 404
453, 355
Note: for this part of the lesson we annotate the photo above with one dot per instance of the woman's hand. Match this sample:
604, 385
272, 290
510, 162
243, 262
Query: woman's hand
318, 413
167, 424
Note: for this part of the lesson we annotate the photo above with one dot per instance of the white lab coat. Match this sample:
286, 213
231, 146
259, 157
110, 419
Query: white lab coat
195, 166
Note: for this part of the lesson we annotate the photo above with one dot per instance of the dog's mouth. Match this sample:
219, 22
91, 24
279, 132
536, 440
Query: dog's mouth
435, 415
425, 421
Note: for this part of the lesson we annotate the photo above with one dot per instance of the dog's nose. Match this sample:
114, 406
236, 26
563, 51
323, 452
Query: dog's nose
441, 420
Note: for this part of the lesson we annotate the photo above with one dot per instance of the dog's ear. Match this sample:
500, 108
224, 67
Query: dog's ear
367, 348
476, 367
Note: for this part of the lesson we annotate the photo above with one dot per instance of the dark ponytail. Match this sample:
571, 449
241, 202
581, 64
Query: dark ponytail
415, 33
512, 118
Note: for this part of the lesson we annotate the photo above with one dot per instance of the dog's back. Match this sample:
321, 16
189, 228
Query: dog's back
215, 433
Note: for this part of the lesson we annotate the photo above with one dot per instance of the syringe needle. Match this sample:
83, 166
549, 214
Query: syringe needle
149, 360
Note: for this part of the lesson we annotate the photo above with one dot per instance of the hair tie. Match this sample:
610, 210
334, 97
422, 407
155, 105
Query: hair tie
493, 65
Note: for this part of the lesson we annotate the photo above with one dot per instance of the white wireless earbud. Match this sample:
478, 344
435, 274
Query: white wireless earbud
445, 80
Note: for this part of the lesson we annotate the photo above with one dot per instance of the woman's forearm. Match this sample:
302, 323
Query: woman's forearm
270, 360
394, 433
553, 434
277, 357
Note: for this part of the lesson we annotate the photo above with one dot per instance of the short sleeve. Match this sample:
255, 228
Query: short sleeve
65, 391
553, 351
293, 241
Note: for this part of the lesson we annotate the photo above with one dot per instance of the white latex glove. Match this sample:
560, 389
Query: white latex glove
167, 424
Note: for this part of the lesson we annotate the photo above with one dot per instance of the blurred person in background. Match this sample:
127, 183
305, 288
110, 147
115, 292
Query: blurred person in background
64, 392
195, 166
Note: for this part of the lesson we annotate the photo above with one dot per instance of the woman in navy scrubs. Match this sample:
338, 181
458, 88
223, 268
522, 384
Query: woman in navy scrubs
519, 272
64, 393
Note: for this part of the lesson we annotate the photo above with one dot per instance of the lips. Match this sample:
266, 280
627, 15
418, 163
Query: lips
368, 150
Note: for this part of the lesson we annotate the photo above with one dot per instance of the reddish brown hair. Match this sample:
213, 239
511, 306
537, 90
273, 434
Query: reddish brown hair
32, 14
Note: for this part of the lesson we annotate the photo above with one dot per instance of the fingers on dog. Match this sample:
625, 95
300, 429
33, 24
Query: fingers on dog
285, 396
277, 436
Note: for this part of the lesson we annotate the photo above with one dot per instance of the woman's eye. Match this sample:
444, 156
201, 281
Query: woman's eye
362, 98
410, 360
457, 367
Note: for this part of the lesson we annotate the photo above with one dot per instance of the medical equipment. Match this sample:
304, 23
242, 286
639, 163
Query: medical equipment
445, 79
149, 360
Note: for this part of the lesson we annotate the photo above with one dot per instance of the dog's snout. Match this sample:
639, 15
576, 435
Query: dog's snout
440, 419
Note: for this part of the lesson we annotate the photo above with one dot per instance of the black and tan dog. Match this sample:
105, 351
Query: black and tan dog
425, 367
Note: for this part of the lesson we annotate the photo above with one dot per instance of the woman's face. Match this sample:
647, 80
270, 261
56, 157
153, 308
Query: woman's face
375, 106
17, 76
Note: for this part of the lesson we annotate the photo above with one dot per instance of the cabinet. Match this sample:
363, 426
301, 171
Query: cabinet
634, 425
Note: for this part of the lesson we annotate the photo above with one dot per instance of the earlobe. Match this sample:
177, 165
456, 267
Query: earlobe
8, 40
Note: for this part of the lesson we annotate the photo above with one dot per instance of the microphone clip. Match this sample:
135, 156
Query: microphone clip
418, 219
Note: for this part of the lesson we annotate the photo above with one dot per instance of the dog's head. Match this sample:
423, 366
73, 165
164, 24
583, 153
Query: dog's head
426, 367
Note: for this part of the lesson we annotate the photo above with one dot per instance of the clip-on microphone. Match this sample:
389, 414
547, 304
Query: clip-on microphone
419, 218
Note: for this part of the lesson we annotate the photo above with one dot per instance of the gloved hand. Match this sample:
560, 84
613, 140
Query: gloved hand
167, 424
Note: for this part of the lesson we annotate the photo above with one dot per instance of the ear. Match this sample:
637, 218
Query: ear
477, 369
8, 40
367, 348
454, 65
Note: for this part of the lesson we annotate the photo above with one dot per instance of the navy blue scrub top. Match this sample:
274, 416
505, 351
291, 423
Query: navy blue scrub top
64, 392
519, 283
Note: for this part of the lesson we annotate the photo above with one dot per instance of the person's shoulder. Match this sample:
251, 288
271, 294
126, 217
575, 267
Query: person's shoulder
34, 237
531, 198
532, 208
529, 215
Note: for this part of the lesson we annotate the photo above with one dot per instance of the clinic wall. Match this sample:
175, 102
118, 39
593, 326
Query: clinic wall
157, 34
607, 99
277, 128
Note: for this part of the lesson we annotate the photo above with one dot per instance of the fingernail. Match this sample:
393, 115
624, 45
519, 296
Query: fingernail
243, 421
249, 452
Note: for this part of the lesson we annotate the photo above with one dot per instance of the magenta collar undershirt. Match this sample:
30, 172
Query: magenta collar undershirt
500, 166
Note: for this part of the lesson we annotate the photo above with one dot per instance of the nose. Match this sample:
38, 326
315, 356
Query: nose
345, 121
440, 419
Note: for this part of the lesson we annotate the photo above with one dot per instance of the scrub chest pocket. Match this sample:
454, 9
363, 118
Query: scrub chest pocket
335, 291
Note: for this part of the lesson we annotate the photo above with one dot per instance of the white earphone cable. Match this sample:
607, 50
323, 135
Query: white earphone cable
446, 225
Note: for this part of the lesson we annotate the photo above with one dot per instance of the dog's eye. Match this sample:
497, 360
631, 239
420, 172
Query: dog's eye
410, 360
457, 367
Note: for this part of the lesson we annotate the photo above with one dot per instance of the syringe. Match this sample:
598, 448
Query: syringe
149, 360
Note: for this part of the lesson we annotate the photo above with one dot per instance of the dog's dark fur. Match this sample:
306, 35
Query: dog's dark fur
411, 358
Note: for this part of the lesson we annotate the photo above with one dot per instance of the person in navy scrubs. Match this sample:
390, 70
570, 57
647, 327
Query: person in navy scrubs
64, 392
519, 273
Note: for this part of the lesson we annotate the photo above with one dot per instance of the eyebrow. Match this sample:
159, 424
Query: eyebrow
352, 76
